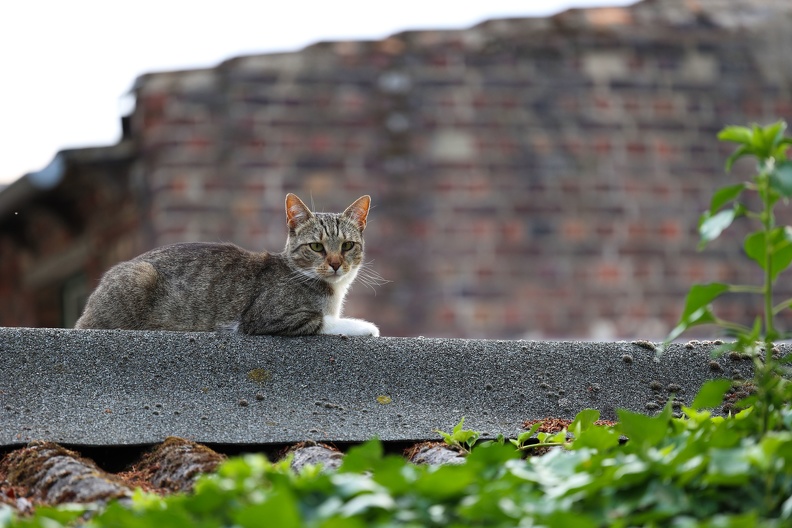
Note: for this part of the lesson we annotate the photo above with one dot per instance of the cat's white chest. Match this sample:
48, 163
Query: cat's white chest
333, 323
335, 303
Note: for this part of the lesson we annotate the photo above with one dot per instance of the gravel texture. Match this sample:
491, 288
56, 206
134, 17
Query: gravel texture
98, 387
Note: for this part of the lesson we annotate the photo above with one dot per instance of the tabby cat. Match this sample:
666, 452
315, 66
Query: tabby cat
208, 287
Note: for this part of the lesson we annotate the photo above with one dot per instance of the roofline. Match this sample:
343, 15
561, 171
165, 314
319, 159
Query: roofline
17, 194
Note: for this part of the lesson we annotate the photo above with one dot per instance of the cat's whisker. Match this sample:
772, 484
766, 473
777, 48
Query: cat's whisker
301, 277
370, 277
370, 273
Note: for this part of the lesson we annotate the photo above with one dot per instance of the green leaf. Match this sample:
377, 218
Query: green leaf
490, 456
772, 136
445, 481
523, 437
117, 515
556, 438
662, 500
725, 195
361, 504
700, 296
563, 518
736, 134
642, 429
598, 437
711, 394
781, 179
65, 514
208, 489
754, 246
460, 437
362, 457
728, 467
737, 154
758, 142
711, 226
697, 310
583, 421
280, 509
532, 431
395, 473
786, 509
447, 437
762, 142
780, 248
344, 522
458, 427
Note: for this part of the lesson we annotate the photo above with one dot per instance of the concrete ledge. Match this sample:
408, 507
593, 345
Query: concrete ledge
94, 387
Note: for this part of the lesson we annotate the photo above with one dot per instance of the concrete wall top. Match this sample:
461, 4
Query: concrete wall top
89, 387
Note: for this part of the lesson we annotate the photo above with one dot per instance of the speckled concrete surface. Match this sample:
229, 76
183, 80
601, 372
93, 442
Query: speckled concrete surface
94, 387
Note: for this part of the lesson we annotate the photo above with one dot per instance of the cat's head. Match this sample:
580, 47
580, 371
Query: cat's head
326, 246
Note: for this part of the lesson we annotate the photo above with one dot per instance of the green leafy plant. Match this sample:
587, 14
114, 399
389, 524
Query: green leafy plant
769, 246
582, 430
532, 439
458, 438
696, 471
523, 440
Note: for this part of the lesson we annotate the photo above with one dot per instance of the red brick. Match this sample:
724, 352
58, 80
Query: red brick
574, 229
609, 273
568, 179
670, 230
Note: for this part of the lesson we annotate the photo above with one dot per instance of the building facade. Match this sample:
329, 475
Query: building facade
530, 177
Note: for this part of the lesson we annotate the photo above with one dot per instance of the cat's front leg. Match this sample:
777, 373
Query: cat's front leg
351, 327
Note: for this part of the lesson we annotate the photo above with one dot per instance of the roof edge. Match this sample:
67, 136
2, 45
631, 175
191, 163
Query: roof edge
20, 192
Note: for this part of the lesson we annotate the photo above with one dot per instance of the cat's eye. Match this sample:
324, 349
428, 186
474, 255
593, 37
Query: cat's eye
316, 246
346, 246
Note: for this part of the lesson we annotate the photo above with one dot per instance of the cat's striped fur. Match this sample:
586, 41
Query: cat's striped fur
207, 287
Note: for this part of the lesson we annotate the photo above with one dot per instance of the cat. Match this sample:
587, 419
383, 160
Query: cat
212, 286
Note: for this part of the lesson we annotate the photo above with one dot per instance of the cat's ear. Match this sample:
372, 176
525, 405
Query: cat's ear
358, 211
296, 211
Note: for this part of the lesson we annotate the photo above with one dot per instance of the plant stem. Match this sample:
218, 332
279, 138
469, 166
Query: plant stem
736, 288
734, 327
752, 215
534, 446
778, 308
768, 222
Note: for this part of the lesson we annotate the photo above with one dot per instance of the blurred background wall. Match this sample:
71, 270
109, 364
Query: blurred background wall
537, 178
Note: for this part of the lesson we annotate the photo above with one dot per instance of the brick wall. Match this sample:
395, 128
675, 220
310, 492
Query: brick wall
55, 243
530, 177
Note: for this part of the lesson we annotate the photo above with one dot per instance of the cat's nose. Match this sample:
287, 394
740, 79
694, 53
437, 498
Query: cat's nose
334, 262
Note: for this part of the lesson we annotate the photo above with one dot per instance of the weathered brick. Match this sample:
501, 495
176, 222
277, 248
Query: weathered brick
529, 177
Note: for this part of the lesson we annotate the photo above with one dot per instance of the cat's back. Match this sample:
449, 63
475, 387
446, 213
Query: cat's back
186, 252
222, 270
182, 286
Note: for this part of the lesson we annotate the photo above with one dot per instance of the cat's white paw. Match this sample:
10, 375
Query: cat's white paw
351, 327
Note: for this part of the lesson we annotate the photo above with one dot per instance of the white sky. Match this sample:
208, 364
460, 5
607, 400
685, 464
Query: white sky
67, 63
